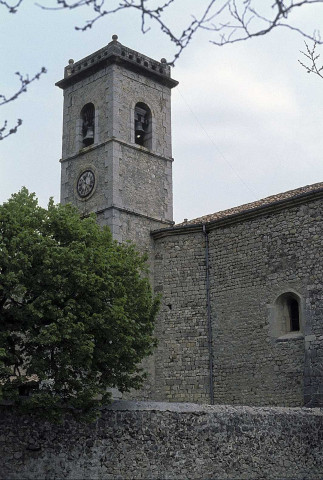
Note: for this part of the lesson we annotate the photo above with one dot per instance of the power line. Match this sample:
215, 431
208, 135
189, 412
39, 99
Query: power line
251, 190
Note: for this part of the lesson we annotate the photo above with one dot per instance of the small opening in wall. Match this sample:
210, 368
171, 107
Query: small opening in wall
146, 64
87, 116
293, 309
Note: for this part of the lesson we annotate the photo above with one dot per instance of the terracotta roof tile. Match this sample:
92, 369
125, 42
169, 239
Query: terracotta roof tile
253, 205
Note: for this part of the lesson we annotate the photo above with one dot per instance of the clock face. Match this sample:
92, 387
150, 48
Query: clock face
85, 183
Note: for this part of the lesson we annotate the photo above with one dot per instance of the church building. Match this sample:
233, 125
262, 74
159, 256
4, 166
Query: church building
241, 317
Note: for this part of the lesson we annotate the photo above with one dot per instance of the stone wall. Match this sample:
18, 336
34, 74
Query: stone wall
253, 260
182, 360
166, 441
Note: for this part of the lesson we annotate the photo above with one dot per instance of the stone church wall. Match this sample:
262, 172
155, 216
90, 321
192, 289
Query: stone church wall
182, 361
253, 260
152, 441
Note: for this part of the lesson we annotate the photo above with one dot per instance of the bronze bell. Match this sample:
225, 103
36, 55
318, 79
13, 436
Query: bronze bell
139, 128
139, 131
89, 137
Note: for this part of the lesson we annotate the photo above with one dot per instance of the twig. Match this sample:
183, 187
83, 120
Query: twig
313, 57
11, 8
24, 82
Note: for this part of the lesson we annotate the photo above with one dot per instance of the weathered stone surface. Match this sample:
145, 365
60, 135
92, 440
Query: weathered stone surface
133, 188
268, 248
252, 261
155, 441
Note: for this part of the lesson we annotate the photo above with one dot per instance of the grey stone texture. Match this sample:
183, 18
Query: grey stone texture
133, 190
237, 337
182, 360
166, 441
252, 261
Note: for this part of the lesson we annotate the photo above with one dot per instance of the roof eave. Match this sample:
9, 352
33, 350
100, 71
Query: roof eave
240, 216
115, 58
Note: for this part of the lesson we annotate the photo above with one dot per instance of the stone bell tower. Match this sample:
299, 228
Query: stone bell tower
117, 152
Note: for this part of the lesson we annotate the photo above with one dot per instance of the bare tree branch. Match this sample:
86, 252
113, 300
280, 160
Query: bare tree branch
11, 8
246, 22
313, 57
230, 20
24, 82
4, 132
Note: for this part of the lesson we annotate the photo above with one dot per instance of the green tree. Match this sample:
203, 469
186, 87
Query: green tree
76, 309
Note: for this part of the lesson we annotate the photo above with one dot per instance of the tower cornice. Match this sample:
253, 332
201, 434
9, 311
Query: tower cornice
116, 53
132, 146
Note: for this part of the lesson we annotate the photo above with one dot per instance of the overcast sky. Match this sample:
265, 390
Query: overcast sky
247, 119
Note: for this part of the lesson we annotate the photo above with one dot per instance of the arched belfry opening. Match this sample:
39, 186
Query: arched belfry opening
87, 117
143, 129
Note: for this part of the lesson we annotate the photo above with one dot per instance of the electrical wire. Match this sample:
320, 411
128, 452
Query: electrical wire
251, 190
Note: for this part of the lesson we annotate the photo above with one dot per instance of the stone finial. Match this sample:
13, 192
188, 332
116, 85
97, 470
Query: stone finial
163, 60
115, 38
69, 67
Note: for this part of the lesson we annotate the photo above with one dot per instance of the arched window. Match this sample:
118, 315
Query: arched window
87, 117
143, 130
288, 313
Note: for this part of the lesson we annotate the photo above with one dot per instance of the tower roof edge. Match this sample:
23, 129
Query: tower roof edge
115, 52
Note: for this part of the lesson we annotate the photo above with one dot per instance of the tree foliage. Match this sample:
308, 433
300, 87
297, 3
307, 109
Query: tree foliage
76, 309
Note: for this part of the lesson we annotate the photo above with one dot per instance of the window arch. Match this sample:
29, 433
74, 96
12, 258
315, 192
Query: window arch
143, 125
288, 311
87, 118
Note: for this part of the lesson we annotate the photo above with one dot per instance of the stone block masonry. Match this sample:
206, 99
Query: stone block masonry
157, 441
182, 360
253, 259
132, 191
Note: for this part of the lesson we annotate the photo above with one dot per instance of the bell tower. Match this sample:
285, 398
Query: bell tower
117, 152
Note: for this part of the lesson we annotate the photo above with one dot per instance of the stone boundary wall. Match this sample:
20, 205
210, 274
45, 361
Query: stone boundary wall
155, 441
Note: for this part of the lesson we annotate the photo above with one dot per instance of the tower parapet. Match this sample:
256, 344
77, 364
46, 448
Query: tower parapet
115, 52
